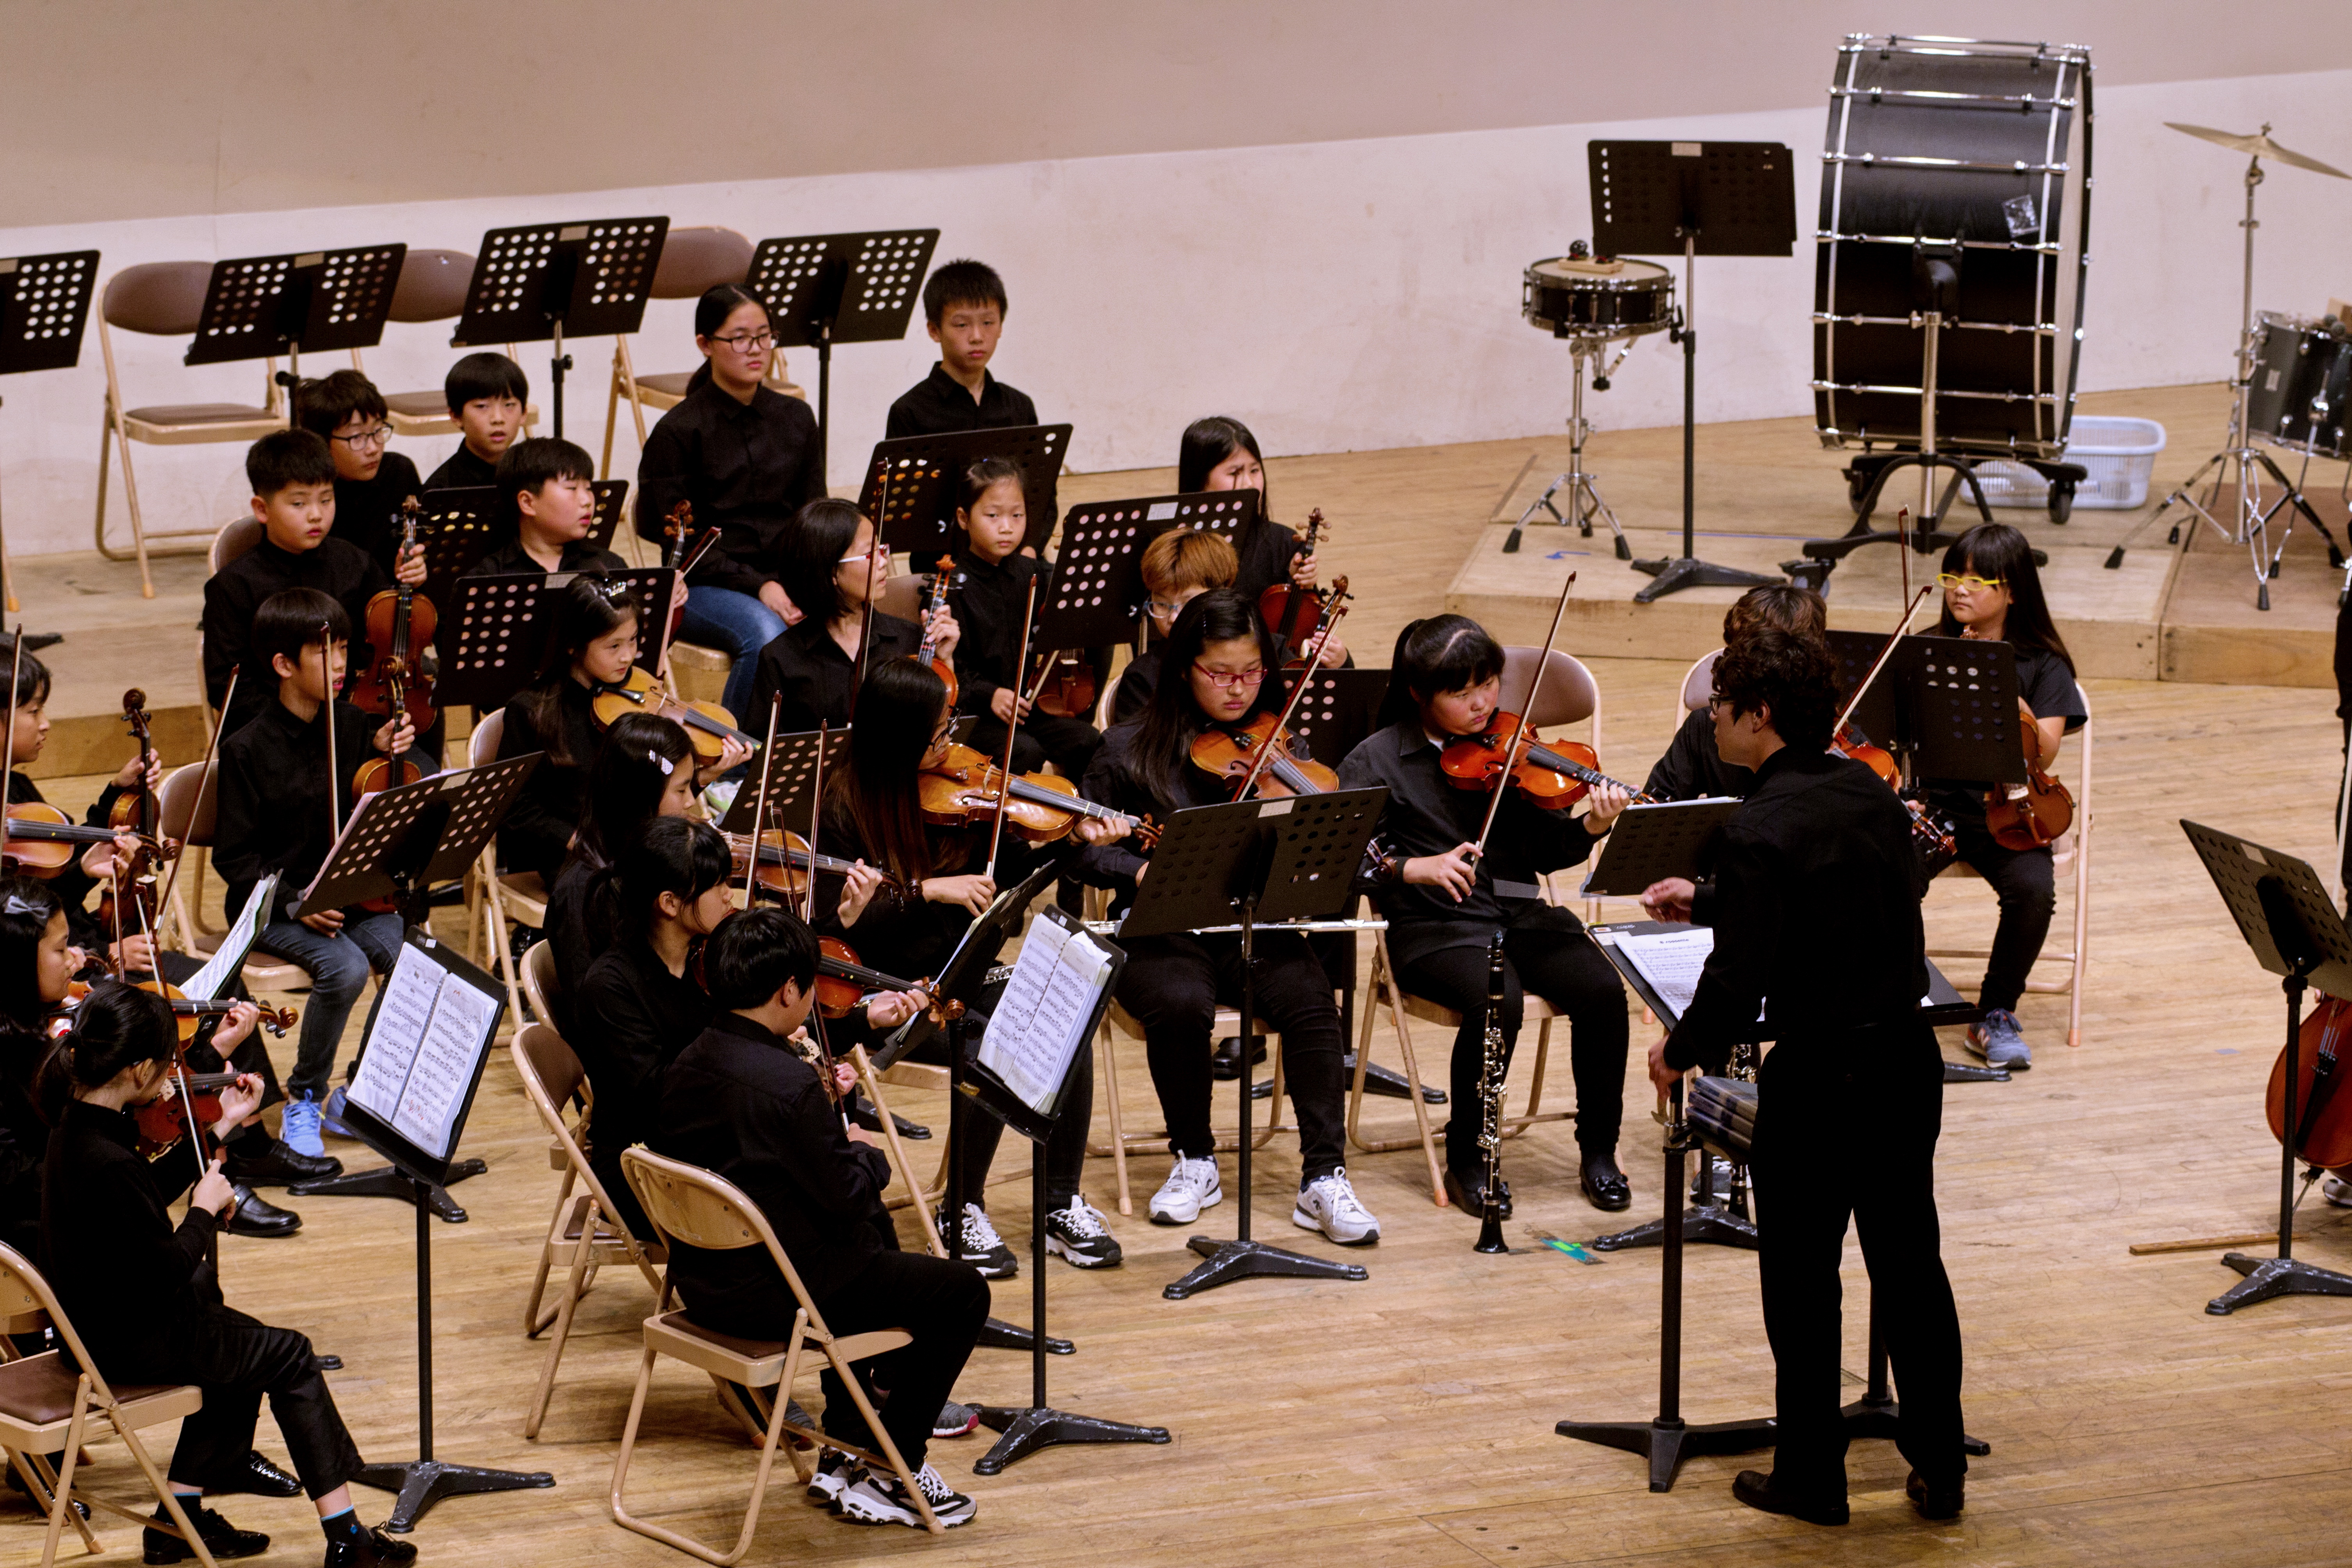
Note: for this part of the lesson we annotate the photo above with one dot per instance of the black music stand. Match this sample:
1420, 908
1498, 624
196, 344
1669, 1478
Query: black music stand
1341, 709
1095, 596
912, 482
447, 1054
538, 283
1292, 859
1651, 842
44, 309
612, 503
494, 630
1701, 198
1037, 1425
826, 289
2285, 914
399, 844
792, 779
258, 307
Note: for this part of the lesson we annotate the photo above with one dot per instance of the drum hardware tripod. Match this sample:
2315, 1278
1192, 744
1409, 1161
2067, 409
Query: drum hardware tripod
1584, 493
2240, 461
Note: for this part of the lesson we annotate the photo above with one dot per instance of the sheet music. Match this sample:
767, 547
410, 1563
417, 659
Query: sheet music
1670, 961
420, 1056
1042, 1022
205, 984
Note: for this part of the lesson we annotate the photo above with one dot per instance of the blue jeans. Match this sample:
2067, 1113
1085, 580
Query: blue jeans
738, 623
339, 966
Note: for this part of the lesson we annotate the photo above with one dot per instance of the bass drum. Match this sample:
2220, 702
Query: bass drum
1572, 297
2303, 377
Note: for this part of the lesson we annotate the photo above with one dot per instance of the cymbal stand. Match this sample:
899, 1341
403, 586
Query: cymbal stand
1584, 493
2241, 463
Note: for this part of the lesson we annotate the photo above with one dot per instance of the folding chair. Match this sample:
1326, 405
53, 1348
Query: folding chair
1698, 683
164, 299
586, 1231
491, 900
46, 1406
690, 1205
187, 808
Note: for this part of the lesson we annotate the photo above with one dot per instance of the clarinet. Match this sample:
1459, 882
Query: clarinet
1491, 1070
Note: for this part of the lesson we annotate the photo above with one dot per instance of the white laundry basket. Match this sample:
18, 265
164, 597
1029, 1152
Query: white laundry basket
2119, 453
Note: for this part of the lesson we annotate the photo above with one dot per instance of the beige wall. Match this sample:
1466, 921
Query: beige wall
130, 108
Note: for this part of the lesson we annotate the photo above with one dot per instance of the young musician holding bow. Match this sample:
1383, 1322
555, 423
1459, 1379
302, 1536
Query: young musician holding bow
831, 561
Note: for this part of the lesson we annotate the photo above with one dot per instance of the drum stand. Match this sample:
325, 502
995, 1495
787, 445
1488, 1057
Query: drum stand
2241, 463
1583, 494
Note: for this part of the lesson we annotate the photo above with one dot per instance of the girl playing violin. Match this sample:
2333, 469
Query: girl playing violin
1217, 667
831, 563
36, 967
1992, 593
145, 1298
938, 882
1219, 454
1442, 901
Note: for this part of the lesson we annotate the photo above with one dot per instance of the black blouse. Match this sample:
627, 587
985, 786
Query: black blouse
815, 678
643, 1017
138, 1288
367, 511
537, 832
746, 467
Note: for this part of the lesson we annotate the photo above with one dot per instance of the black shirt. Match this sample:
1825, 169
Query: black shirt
537, 832
1427, 815
939, 405
24, 1138
2047, 684
741, 1104
367, 511
1815, 908
1265, 551
1137, 681
644, 1016
1111, 780
815, 677
746, 467
337, 568
512, 560
139, 1289
464, 470
273, 798
579, 928
987, 598
899, 931
1692, 769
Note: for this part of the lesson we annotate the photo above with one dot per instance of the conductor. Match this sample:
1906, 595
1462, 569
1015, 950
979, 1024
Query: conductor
1815, 906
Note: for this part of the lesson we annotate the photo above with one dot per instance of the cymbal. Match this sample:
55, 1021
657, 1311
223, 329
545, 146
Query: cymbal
2260, 144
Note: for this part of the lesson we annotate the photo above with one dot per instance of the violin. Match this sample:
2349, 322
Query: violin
1551, 777
929, 652
134, 811
2028, 815
2322, 1134
163, 1122
784, 861
1230, 752
842, 982
679, 558
129, 901
42, 840
1065, 689
1931, 835
966, 789
400, 626
708, 726
1290, 612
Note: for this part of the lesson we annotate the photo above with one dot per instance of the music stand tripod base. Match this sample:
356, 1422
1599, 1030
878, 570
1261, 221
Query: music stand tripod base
996, 1334
2266, 1277
1676, 572
421, 1483
1231, 1260
1703, 1221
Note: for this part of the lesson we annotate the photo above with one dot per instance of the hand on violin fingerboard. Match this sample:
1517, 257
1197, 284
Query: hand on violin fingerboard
147, 765
410, 567
395, 737
1303, 569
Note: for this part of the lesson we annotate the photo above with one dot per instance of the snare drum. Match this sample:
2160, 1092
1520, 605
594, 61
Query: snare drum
2302, 378
1572, 298
1722, 1114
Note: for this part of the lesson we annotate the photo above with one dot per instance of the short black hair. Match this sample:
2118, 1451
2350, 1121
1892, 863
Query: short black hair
962, 281
752, 953
286, 458
1787, 672
483, 376
985, 474
32, 675
533, 465
1433, 657
324, 404
287, 623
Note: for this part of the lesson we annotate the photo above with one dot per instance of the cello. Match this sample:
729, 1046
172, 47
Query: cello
2323, 1131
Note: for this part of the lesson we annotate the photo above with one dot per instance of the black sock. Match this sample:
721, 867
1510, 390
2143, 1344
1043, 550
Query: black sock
343, 1526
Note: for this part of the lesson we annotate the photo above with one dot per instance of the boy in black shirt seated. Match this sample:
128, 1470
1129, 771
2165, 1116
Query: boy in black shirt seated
546, 509
293, 476
741, 1103
280, 810
488, 393
987, 592
963, 309
370, 482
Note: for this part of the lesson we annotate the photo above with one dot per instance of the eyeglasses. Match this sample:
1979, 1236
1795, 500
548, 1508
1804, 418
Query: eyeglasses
868, 554
1968, 580
1165, 609
375, 437
1231, 682
1715, 699
748, 342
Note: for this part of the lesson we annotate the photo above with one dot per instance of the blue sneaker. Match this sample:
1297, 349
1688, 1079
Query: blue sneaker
331, 1117
301, 1128
2000, 1041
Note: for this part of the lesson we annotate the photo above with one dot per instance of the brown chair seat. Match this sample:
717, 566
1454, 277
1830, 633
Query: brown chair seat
418, 405
750, 1350
205, 414
39, 1390
668, 384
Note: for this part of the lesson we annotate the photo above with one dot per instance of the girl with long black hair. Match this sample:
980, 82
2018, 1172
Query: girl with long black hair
1993, 594
1443, 902
1219, 454
832, 562
1220, 667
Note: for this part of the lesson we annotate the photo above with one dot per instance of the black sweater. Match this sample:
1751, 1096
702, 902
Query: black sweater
272, 791
342, 571
746, 467
537, 832
138, 1288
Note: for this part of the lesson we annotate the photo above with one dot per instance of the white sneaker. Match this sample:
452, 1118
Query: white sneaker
1328, 1203
2337, 1192
1075, 1232
878, 1498
1191, 1187
836, 1473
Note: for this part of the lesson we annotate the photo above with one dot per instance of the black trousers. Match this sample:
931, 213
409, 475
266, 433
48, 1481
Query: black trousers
2024, 882
237, 1360
1848, 1127
1068, 743
943, 1305
1550, 955
976, 1134
1172, 985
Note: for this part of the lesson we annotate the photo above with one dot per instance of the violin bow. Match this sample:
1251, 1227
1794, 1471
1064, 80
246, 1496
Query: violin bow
203, 782
816, 816
865, 627
760, 804
1910, 614
16, 679
1333, 608
1520, 742
334, 781
1012, 730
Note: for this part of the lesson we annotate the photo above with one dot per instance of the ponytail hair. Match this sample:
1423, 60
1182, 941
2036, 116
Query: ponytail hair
1435, 656
670, 854
116, 1026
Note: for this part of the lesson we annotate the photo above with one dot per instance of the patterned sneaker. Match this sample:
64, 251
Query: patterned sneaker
981, 1247
1076, 1233
879, 1498
331, 1115
2000, 1041
836, 1473
955, 1420
1191, 1187
1328, 1203
300, 1127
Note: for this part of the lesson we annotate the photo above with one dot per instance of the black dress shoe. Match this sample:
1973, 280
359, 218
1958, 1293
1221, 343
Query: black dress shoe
221, 1537
863, 1114
1755, 1489
1936, 1499
1605, 1185
256, 1216
1466, 1190
279, 1165
1226, 1062
259, 1477
368, 1549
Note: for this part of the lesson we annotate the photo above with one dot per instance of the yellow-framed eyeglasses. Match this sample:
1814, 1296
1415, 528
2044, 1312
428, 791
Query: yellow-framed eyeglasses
1968, 580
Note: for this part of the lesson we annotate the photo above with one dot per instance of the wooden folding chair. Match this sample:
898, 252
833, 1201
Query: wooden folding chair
690, 1205
491, 900
47, 1405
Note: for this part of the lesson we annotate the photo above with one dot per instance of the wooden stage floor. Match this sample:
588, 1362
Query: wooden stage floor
1409, 1419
